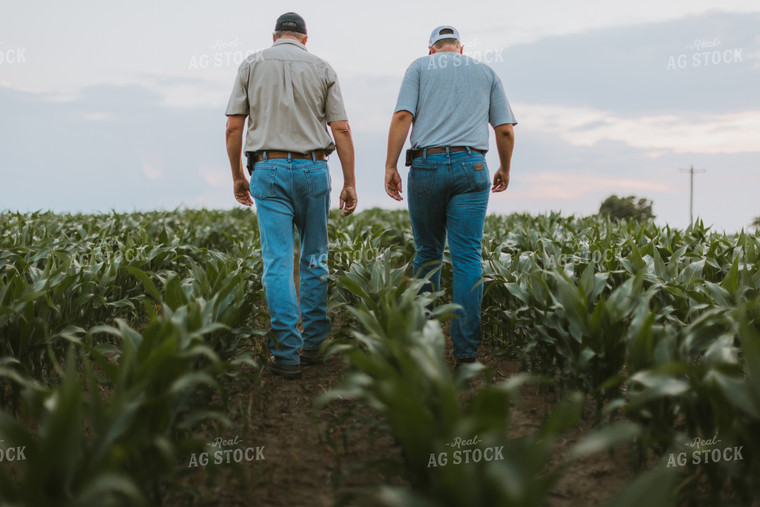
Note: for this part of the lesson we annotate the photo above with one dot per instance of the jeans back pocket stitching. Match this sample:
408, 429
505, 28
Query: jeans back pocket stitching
425, 188
475, 184
269, 188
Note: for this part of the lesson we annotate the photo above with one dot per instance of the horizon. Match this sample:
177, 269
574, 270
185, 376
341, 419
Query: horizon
698, 222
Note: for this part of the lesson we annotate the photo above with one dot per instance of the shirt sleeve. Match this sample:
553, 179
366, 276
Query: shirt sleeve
499, 111
334, 108
238, 103
410, 91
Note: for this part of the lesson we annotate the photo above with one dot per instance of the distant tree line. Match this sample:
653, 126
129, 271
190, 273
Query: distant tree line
640, 209
629, 208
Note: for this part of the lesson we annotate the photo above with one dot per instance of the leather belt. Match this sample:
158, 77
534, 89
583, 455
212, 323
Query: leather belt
318, 155
452, 149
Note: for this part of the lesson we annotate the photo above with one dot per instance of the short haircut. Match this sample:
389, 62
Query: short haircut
447, 42
298, 35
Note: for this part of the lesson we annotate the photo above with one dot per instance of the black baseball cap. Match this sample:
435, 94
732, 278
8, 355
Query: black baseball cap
290, 22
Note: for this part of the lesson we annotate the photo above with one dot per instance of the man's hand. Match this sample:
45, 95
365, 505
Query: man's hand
393, 183
344, 145
500, 181
234, 137
243, 192
505, 142
348, 200
401, 122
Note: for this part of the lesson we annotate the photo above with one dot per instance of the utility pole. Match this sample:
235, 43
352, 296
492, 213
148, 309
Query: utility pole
691, 172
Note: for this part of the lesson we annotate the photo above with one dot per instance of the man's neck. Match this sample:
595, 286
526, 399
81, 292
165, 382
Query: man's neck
290, 37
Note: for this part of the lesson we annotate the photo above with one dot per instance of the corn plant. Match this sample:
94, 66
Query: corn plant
58, 466
398, 368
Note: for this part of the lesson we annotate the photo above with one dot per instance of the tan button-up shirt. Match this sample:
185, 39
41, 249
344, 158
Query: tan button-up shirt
289, 96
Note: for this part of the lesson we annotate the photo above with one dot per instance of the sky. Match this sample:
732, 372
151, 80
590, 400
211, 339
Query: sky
120, 106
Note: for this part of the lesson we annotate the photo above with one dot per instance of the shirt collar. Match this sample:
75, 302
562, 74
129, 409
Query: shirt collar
289, 41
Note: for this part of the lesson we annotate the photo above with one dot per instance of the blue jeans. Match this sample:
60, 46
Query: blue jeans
287, 193
448, 196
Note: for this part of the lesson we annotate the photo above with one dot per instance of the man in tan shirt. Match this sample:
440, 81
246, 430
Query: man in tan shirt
289, 97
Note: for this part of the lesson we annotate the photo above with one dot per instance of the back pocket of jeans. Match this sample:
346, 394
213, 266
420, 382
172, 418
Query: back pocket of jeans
262, 181
421, 178
477, 174
318, 180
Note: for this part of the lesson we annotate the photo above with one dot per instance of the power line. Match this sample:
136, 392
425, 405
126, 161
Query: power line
691, 172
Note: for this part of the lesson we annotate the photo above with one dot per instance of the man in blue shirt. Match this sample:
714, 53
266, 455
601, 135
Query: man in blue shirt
451, 98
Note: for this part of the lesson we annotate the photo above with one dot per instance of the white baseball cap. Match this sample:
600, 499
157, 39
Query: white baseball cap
449, 33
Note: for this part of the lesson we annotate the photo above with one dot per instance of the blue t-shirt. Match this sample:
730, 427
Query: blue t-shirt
453, 99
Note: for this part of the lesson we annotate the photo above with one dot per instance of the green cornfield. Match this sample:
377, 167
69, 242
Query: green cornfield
120, 335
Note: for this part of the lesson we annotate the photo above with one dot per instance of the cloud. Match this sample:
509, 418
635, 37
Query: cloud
628, 69
151, 170
146, 156
564, 186
96, 116
213, 176
692, 133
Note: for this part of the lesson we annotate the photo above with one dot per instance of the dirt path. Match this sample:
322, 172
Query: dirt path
309, 457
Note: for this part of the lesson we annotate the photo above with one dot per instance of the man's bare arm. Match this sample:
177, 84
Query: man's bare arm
234, 136
505, 142
344, 145
400, 124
